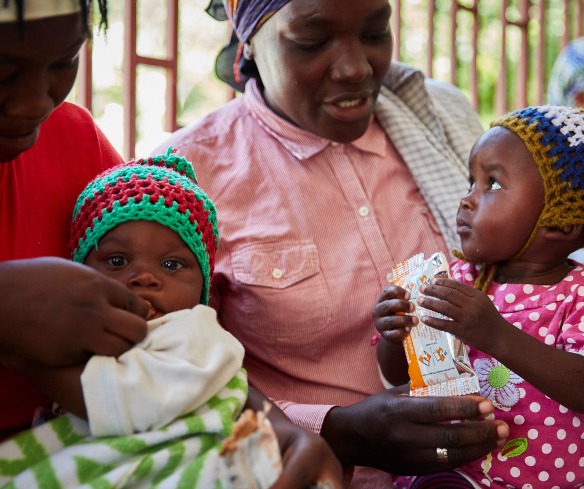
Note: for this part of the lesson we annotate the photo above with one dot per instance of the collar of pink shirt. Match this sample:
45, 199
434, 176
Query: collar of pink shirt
300, 143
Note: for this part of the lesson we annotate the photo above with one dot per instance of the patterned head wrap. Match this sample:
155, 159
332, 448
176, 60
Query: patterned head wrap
567, 76
246, 17
36, 9
161, 189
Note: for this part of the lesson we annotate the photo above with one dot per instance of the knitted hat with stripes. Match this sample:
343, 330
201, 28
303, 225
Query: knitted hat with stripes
161, 189
554, 135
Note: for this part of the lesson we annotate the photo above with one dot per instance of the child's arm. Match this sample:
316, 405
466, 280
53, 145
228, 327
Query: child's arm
475, 320
393, 325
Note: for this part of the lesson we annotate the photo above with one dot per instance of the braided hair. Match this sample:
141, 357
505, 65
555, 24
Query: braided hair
85, 13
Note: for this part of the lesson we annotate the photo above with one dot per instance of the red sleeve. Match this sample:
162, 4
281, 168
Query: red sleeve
38, 189
37, 193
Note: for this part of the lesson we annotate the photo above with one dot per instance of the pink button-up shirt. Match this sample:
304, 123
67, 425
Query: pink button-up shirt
309, 232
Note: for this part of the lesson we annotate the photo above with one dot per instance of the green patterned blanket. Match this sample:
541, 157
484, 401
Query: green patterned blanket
184, 454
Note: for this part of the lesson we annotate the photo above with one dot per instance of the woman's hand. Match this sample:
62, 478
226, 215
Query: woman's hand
56, 312
472, 316
389, 314
401, 434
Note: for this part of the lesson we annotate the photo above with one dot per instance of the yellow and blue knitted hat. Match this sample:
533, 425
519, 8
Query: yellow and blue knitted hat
162, 189
554, 135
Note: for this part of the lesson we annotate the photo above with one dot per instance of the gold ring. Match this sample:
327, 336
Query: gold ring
442, 455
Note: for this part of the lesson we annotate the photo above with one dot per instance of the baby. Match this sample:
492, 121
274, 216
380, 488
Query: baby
159, 413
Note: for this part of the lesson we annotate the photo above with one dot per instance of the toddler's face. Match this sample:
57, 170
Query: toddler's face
154, 262
496, 218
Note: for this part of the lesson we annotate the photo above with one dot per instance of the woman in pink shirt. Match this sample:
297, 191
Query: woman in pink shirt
327, 170
53, 313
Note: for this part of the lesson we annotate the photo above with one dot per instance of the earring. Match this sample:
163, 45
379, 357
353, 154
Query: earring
247, 53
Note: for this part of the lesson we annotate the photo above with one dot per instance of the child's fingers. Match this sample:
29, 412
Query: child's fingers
439, 323
393, 292
446, 287
396, 335
395, 328
391, 307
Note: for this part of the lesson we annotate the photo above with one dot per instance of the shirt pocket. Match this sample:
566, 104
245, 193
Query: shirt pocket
282, 288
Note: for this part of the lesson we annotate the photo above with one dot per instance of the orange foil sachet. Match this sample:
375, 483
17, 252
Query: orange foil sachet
438, 363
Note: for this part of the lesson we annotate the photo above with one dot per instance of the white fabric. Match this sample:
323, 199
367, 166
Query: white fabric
38, 9
186, 358
578, 255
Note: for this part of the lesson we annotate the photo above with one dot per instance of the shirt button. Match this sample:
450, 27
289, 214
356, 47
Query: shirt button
389, 277
277, 273
364, 211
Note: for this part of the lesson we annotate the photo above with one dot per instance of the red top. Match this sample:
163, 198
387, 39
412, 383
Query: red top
37, 193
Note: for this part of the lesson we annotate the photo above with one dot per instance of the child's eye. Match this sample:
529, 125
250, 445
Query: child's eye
172, 265
116, 261
494, 185
472, 184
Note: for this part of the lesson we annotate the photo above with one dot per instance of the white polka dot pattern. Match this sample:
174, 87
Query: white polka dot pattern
545, 449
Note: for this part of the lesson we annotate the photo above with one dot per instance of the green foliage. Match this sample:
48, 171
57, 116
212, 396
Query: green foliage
489, 49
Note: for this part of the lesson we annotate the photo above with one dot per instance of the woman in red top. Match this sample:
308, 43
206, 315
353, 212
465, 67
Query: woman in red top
53, 312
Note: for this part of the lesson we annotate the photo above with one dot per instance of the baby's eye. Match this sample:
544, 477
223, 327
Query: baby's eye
471, 183
494, 185
172, 265
116, 261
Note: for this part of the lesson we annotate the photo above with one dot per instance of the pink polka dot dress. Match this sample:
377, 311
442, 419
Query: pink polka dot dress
545, 449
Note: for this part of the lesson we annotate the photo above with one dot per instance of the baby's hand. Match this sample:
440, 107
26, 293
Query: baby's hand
389, 314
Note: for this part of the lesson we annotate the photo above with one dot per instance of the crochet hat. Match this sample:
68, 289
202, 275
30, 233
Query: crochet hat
161, 189
554, 135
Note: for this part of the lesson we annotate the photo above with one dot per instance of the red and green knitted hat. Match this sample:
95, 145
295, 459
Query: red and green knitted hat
162, 189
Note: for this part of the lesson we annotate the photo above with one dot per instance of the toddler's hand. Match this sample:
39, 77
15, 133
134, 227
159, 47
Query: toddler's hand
389, 314
471, 315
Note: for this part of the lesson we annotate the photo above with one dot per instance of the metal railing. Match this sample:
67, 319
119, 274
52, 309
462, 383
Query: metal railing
499, 52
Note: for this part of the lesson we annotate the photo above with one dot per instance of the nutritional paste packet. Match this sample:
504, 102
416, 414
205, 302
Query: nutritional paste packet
438, 363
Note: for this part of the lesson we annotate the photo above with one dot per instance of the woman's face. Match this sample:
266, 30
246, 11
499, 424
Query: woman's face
322, 63
38, 66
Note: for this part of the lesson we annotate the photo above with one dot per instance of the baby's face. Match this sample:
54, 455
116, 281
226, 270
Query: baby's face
495, 219
154, 262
